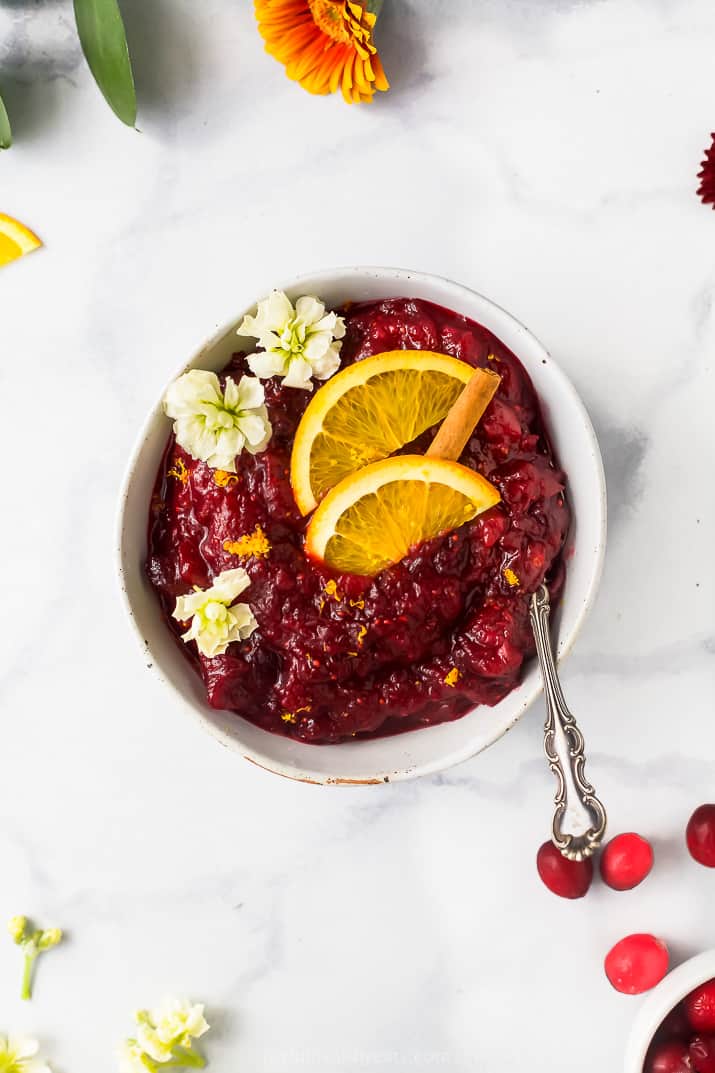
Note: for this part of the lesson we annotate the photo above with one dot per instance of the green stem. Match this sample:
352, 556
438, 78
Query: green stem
26, 992
183, 1058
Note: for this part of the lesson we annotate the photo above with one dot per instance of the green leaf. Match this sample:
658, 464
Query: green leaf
374, 5
5, 132
104, 43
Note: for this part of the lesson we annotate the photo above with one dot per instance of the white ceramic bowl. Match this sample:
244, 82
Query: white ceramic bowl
417, 752
660, 1001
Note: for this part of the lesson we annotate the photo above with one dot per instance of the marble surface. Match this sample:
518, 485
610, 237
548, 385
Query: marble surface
542, 151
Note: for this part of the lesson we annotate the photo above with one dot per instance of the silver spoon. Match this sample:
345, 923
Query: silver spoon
579, 819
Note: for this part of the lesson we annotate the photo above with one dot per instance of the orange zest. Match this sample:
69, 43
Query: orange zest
255, 545
223, 478
179, 471
324, 45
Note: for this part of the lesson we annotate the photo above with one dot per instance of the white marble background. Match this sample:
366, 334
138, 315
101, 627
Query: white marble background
542, 151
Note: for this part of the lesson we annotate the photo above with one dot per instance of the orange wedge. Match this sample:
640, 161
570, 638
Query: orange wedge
368, 411
374, 516
15, 240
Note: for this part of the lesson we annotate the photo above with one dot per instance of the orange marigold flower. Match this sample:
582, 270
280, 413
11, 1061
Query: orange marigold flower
324, 45
706, 190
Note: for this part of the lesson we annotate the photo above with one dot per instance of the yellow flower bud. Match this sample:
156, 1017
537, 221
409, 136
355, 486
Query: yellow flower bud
49, 938
17, 926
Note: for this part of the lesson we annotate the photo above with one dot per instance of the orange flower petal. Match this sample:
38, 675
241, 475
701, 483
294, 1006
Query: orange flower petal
311, 58
324, 45
380, 76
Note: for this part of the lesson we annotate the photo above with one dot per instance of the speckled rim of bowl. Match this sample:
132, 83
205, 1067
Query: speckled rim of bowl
660, 1001
417, 752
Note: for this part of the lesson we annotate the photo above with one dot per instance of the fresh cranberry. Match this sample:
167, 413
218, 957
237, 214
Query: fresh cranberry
568, 879
676, 1024
700, 1007
636, 963
672, 1056
702, 1054
626, 861
700, 835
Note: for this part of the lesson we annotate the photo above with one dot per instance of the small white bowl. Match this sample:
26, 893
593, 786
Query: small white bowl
660, 1001
417, 752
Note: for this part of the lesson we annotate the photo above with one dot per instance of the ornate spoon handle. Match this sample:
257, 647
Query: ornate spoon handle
580, 818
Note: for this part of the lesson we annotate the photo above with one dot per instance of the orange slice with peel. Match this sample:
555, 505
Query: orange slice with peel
15, 240
373, 517
368, 411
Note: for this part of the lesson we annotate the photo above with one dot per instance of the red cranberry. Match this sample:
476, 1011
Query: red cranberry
669, 1057
568, 879
700, 835
702, 1054
700, 1007
675, 1024
626, 861
636, 963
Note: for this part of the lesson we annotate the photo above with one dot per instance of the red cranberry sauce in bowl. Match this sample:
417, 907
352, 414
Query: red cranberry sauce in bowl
335, 657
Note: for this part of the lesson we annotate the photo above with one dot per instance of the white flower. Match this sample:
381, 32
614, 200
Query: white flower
175, 1023
213, 425
299, 343
214, 622
18, 1055
164, 1036
147, 1042
131, 1058
178, 1021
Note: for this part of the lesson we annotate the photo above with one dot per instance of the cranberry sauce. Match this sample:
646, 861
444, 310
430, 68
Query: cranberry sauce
336, 656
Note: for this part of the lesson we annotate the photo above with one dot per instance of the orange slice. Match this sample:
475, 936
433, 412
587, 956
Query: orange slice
373, 517
15, 240
368, 411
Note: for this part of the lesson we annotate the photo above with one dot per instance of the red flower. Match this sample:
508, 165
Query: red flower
706, 190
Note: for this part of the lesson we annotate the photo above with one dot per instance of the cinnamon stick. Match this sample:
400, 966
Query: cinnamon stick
464, 416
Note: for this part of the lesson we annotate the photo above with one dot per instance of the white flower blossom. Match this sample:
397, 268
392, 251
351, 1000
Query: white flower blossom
214, 426
216, 620
175, 1023
164, 1037
298, 344
147, 1041
18, 1054
131, 1058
